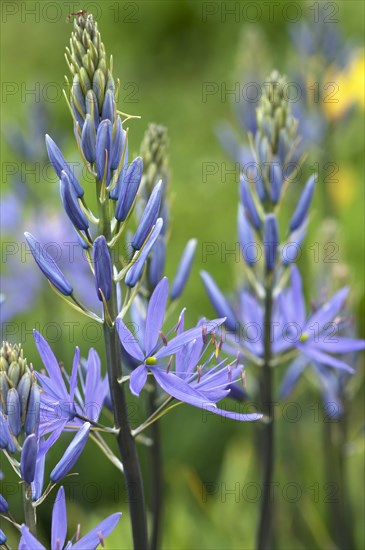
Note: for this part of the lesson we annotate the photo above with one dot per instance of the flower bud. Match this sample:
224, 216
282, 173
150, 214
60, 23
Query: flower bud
4, 506
88, 139
148, 218
129, 189
71, 454
3, 538
157, 262
103, 268
13, 405
71, 204
4, 388
5, 436
28, 458
108, 111
247, 239
38, 481
33, 408
76, 114
218, 300
135, 271
23, 390
103, 149
276, 179
117, 145
48, 266
271, 241
248, 203
92, 108
59, 163
78, 96
303, 205
184, 269
99, 87
14, 373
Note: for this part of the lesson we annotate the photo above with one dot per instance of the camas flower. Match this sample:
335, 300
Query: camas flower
59, 531
63, 404
316, 337
156, 352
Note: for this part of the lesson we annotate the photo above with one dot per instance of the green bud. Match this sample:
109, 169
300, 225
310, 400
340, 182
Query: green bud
4, 388
84, 80
99, 87
14, 372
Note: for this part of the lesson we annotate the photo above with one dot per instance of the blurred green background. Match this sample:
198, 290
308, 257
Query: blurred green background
163, 53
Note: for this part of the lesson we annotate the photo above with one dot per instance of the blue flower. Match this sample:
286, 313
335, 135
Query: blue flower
215, 383
316, 337
59, 531
156, 354
61, 405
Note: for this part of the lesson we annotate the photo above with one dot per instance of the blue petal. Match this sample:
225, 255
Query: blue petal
71, 454
341, 345
138, 379
74, 372
148, 218
328, 311
128, 341
251, 417
50, 362
94, 392
218, 300
325, 359
184, 269
173, 385
92, 539
297, 296
135, 271
155, 315
28, 541
292, 375
180, 340
59, 520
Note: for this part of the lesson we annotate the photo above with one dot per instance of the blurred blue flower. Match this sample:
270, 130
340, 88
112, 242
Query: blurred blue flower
316, 336
59, 531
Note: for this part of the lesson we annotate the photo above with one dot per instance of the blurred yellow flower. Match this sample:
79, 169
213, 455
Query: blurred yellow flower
345, 88
343, 189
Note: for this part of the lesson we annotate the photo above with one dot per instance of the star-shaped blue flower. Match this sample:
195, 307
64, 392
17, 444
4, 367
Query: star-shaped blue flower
59, 531
155, 355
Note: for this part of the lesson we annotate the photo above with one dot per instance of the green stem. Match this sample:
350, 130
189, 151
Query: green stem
157, 477
126, 443
125, 440
340, 516
267, 429
29, 509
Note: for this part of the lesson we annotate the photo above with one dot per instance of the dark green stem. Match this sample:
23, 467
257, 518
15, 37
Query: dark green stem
126, 442
340, 516
157, 477
29, 510
267, 430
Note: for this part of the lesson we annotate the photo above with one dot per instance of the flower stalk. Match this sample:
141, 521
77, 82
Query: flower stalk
267, 428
